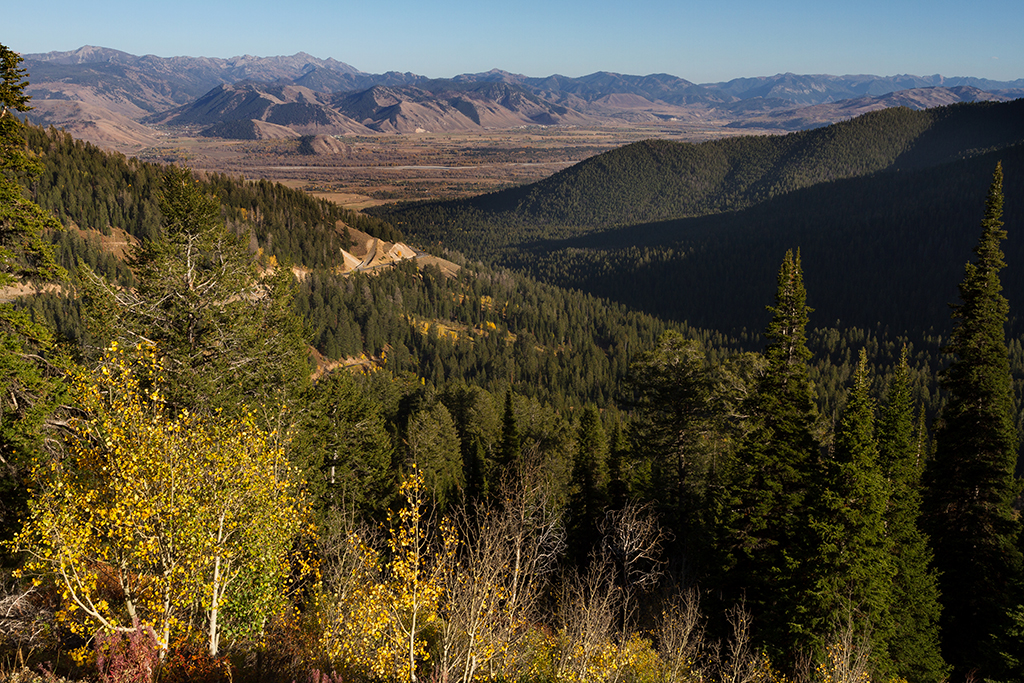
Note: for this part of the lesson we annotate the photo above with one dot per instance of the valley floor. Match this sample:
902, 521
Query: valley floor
358, 172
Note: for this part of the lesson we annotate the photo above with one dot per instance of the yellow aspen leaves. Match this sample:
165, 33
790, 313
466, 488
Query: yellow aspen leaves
376, 624
172, 519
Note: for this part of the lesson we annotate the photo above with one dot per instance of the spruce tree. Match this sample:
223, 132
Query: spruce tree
970, 482
766, 531
588, 497
851, 565
914, 605
29, 389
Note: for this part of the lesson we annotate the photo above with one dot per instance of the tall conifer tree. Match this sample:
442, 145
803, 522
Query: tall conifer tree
670, 430
228, 335
472, 411
971, 483
29, 392
618, 451
341, 444
588, 496
851, 567
509, 448
914, 607
766, 525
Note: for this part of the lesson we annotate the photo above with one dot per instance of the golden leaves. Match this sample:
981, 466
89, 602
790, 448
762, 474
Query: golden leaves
376, 626
158, 509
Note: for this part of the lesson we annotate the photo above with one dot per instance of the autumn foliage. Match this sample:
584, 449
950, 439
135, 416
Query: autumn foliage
170, 521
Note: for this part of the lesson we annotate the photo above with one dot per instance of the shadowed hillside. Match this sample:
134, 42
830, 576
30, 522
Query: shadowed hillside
659, 179
886, 249
884, 208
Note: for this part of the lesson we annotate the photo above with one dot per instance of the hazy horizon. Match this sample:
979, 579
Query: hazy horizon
703, 42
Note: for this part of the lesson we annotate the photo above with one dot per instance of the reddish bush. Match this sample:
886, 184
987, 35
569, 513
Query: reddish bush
127, 657
190, 662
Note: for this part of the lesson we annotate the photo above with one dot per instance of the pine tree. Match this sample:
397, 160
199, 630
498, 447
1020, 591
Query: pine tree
914, 605
970, 482
766, 531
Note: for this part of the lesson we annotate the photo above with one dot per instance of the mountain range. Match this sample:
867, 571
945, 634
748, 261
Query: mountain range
98, 93
255, 110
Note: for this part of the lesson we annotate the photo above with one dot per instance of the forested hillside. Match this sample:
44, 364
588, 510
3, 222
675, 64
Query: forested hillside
882, 203
659, 179
489, 326
219, 468
878, 250
90, 188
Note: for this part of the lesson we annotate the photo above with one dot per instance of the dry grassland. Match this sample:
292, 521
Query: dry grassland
358, 172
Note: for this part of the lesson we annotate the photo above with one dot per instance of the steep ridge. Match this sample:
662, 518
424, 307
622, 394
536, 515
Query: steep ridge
295, 107
491, 105
381, 109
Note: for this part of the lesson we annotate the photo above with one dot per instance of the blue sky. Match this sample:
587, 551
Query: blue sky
703, 41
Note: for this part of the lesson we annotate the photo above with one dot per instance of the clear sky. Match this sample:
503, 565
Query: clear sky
702, 41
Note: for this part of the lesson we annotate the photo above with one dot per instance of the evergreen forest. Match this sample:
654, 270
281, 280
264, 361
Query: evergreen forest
726, 412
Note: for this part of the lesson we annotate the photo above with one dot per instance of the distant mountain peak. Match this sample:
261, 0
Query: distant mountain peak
492, 76
164, 87
87, 54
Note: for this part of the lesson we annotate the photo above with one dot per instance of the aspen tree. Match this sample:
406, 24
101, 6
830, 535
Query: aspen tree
189, 517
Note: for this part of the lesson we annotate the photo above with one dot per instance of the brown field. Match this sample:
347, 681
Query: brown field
358, 172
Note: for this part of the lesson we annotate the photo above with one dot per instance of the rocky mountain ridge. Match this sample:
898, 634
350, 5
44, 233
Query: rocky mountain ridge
96, 92
380, 109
